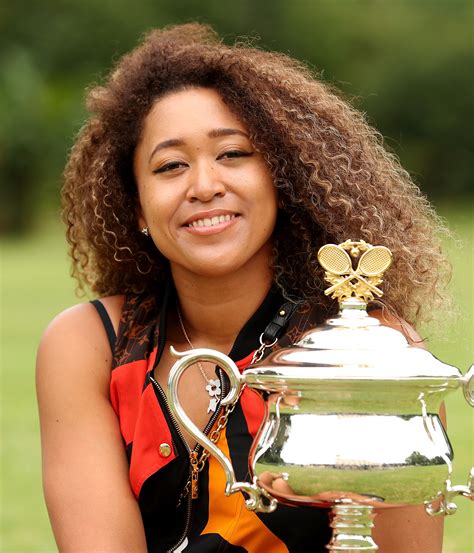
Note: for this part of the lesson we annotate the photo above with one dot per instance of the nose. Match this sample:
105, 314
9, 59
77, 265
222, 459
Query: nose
205, 183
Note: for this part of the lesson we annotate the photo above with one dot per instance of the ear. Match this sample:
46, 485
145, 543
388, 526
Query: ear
141, 223
140, 218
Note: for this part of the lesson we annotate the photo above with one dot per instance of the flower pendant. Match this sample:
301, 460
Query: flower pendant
214, 390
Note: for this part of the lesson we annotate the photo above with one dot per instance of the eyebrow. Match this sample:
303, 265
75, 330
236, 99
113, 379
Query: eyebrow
214, 133
217, 133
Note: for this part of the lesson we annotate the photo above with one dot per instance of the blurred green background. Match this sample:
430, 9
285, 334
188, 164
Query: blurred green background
406, 63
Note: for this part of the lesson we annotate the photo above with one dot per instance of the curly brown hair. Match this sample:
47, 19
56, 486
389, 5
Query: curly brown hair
334, 177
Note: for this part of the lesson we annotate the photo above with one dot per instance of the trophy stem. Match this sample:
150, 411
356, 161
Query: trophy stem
352, 528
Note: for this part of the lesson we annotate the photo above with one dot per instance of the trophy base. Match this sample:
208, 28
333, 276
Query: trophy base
352, 529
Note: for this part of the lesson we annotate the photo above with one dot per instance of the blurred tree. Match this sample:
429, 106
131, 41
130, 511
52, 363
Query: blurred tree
407, 63
22, 96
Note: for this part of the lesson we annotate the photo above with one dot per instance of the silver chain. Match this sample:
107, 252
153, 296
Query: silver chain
261, 350
223, 420
185, 334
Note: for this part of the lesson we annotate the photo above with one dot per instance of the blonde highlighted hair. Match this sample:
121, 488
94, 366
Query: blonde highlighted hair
334, 177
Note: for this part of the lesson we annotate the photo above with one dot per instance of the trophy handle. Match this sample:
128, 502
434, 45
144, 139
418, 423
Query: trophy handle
256, 499
468, 386
445, 504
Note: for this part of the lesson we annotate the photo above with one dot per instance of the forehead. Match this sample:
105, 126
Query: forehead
188, 110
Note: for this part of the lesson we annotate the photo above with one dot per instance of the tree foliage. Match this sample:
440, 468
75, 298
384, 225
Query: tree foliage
406, 63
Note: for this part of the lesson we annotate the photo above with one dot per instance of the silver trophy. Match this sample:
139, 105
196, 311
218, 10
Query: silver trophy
369, 400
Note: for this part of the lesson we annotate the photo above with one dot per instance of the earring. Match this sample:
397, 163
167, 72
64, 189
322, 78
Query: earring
145, 231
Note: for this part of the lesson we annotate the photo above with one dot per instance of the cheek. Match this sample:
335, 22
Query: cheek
267, 198
265, 216
157, 209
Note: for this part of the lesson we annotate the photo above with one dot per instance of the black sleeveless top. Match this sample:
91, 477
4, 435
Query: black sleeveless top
159, 461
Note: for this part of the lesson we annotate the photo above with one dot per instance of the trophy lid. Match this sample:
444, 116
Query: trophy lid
353, 345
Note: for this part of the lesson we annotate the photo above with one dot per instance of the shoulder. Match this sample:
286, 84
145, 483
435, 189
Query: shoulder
82, 321
114, 306
388, 318
75, 341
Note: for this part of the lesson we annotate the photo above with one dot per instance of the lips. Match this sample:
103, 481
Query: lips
210, 218
210, 222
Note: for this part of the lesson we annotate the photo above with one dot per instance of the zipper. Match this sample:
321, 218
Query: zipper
192, 454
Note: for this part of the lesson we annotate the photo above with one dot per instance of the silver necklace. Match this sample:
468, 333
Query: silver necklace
213, 386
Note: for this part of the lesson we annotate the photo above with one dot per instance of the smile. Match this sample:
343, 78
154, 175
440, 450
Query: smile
211, 222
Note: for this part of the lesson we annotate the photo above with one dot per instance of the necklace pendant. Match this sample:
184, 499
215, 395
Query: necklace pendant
212, 404
214, 388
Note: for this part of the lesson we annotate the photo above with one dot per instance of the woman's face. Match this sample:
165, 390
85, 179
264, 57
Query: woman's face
205, 193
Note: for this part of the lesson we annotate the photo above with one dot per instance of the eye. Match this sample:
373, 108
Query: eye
171, 166
232, 154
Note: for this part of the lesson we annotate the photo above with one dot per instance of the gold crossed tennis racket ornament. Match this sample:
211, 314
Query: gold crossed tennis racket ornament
361, 282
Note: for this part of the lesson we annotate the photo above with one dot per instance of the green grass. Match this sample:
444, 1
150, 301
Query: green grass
35, 286
454, 344
391, 484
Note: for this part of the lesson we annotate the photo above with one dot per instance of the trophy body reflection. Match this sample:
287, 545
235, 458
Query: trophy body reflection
351, 412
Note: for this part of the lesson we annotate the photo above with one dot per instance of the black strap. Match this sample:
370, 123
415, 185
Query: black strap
279, 323
105, 318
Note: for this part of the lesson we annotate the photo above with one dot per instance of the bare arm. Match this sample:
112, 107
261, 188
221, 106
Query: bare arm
85, 471
408, 528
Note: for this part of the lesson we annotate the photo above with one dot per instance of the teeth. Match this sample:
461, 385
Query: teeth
216, 220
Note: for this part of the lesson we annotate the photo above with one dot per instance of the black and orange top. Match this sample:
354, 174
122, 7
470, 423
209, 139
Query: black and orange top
159, 459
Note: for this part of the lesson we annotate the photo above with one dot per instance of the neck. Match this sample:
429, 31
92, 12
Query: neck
214, 309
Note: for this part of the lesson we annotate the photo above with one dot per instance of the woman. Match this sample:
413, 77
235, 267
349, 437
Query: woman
195, 198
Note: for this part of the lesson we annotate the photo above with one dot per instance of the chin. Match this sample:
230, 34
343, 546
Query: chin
217, 268
217, 262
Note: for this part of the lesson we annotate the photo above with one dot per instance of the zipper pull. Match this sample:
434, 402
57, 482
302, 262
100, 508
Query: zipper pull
194, 474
